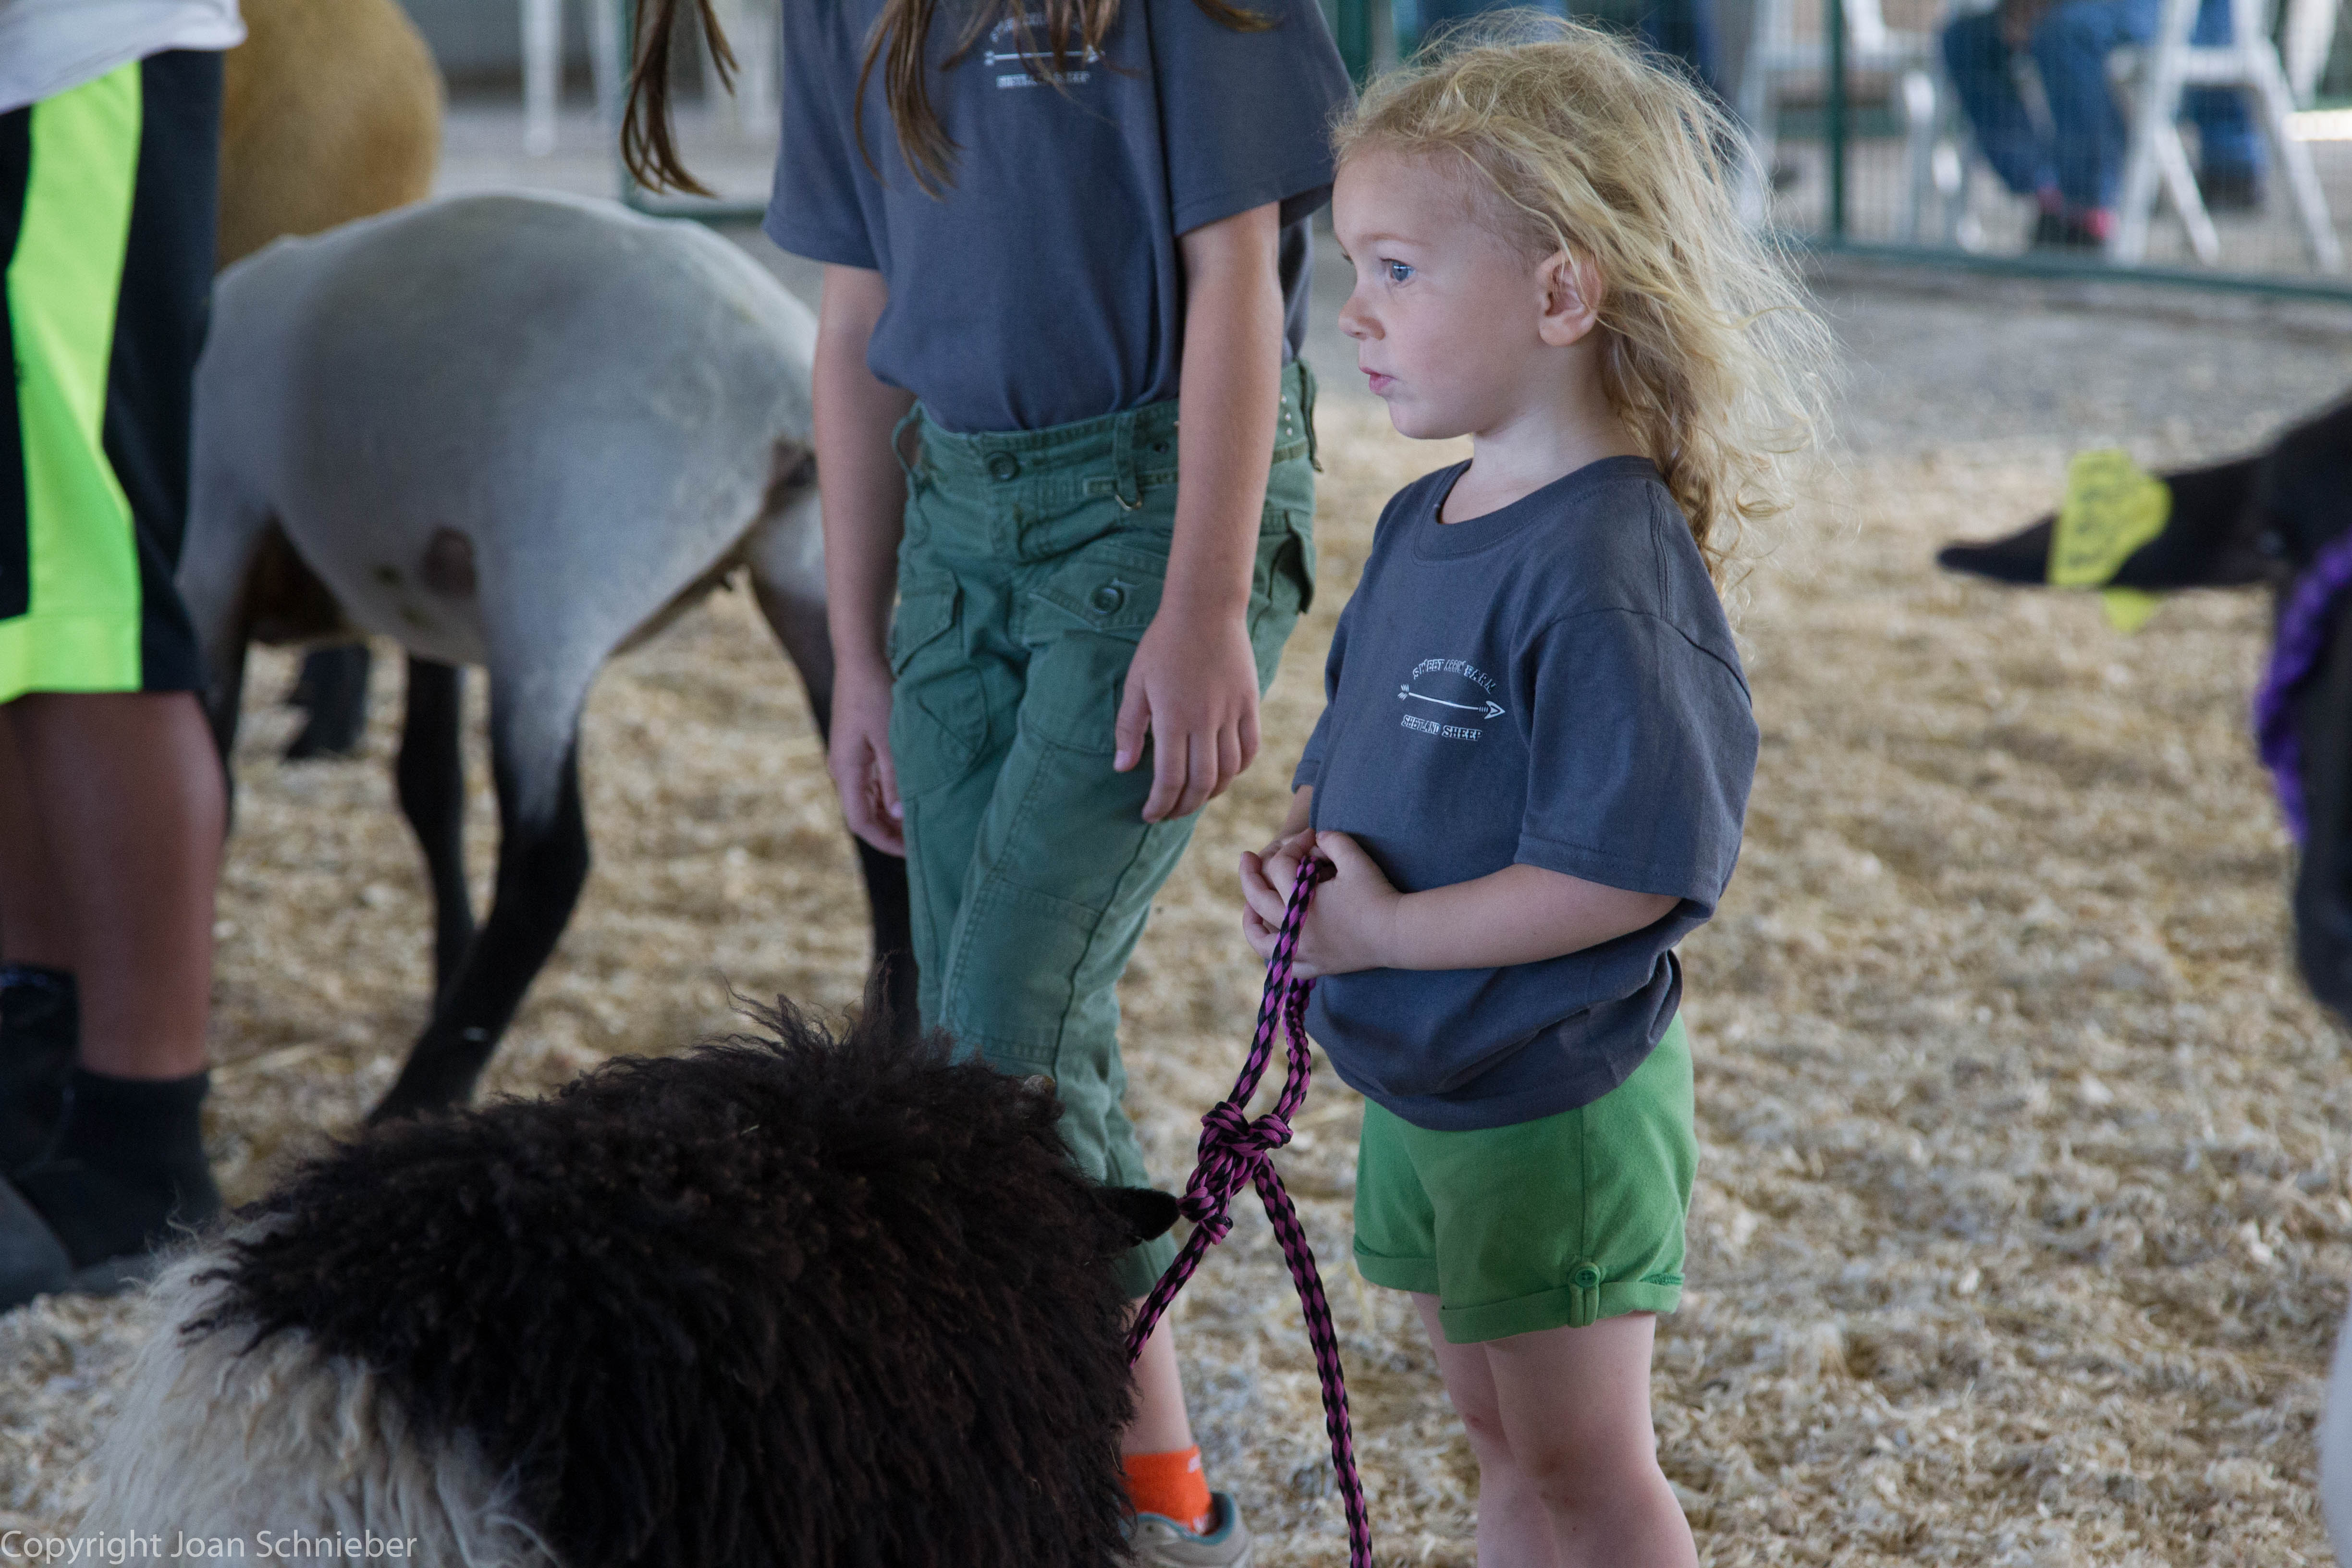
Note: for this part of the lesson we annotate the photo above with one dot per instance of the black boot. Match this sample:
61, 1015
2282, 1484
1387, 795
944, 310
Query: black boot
125, 1174
40, 1024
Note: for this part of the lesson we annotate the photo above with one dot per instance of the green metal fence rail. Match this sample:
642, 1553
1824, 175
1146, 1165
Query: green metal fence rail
1841, 124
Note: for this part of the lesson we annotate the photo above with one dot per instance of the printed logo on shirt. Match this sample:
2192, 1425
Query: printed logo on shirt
1005, 49
1443, 695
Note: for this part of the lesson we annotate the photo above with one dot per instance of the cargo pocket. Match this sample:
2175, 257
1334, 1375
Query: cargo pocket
1082, 625
939, 709
1282, 589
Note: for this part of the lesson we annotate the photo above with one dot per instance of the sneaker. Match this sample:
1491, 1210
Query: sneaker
124, 1177
2084, 228
1158, 1541
67, 1228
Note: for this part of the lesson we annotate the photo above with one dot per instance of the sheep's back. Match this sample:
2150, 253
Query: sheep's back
798, 1303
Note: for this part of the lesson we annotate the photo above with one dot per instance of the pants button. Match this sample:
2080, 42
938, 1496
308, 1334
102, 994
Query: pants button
1107, 598
1003, 466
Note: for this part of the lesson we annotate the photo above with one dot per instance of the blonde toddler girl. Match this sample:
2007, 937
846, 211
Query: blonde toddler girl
1535, 757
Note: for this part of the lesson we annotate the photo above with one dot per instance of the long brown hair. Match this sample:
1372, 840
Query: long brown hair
649, 147
1073, 31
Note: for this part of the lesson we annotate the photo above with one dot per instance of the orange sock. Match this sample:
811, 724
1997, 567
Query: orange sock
1171, 1486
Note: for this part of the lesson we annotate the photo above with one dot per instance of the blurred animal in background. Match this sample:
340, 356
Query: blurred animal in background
330, 110
2281, 517
768, 1302
517, 432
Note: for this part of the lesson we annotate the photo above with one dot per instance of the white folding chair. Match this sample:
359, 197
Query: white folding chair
2166, 68
2304, 40
543, 68
1776, 53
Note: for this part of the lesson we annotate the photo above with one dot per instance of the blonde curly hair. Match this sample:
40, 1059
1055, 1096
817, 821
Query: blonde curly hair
1584, 142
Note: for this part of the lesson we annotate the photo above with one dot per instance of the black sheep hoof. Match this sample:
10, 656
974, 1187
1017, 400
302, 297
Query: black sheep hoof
2022, 558
437, 1077
332, 692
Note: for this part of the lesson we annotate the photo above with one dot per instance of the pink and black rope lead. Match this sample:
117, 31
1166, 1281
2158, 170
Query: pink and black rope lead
1234, 1150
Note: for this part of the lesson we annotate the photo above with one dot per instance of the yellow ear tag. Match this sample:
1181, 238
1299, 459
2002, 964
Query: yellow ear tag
2113, 506
2128, 608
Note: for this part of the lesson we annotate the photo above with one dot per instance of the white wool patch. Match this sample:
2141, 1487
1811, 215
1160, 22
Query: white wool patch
280, 1446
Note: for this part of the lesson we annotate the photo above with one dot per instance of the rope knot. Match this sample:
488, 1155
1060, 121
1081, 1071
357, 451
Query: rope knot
1232, 1147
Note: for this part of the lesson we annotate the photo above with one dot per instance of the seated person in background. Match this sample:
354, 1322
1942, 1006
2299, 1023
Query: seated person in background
1685, 30
2074, 167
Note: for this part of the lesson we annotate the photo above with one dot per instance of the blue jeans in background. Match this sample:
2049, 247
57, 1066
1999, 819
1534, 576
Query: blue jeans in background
1683, 29
2083, 157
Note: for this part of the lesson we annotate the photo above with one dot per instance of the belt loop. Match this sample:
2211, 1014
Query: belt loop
1127, 484
1306, 411
898, 446
1583, 1294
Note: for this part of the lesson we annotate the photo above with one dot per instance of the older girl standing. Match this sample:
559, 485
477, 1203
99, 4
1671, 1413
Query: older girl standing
1045, 230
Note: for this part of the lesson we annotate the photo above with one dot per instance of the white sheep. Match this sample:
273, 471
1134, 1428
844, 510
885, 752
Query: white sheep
520, 432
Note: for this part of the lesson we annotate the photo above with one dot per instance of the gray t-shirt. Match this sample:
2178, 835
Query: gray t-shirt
1043, 286
1552, 684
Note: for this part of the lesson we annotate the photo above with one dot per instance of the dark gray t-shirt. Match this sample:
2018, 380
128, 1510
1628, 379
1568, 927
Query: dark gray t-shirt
1044, 286
1552, 684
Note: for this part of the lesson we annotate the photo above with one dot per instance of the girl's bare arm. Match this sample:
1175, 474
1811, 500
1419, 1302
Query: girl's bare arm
864, 501
1520, 914
1193, 685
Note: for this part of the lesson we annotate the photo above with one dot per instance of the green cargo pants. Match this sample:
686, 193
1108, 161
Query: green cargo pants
1033, 562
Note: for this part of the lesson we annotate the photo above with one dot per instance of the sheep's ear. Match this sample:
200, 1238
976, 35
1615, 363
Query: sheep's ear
2212, 539
1146, 1212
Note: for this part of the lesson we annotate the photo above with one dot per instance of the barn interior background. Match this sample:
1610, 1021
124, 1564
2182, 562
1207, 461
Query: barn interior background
2026, 1211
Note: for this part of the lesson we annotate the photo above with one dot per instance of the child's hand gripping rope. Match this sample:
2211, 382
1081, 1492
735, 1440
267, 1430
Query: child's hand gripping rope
1234, 1150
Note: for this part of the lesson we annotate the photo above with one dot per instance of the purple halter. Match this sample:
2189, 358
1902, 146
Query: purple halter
2295, 651
1234, 1150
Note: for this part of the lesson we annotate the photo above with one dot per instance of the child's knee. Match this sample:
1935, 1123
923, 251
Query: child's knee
1574, 1472
1483, 1426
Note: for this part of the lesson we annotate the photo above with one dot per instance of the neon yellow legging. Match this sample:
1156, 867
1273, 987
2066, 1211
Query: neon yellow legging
81, 631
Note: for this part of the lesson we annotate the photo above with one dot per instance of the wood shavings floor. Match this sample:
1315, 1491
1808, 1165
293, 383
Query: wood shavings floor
2023, 1224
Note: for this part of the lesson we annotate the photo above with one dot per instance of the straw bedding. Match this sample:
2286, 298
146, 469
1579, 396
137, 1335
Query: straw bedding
2023, 1223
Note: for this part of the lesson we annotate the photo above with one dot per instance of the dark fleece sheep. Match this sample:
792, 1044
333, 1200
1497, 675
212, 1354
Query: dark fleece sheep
786, 1301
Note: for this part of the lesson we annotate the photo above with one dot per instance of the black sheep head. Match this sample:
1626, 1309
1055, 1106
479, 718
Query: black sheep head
786, 1301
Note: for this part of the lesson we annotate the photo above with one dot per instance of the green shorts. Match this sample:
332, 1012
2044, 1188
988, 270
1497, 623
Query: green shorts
1554, 1223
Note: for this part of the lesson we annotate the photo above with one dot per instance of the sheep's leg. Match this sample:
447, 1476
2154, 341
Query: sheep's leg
224, 703
332, 694
432, 779
788, 579
543, 864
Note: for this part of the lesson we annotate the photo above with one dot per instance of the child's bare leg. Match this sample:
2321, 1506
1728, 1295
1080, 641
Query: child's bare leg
1514, 1529
1160, 1424
1575, 1406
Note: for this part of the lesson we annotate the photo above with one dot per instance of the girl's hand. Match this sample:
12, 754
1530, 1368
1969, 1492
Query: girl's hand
1351, 924
1267, 878
858, 757
1193, 688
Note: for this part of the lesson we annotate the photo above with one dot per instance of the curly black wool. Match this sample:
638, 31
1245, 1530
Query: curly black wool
786, 1301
